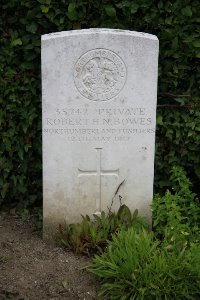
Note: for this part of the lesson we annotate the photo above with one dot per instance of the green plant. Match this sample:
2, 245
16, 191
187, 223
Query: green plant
176, 215
32, 214
37, 217
4, 259
23, 213
135, 266
91, 235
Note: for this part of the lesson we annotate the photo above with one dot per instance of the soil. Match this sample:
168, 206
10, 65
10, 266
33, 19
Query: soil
33, 269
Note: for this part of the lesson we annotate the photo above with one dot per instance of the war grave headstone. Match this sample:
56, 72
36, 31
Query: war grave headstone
99, 94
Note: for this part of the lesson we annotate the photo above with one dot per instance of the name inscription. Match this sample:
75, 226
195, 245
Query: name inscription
86, 125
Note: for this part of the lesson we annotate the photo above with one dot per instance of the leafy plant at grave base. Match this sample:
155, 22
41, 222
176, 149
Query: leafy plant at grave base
91, 236
136, 266
178, 123
176, 216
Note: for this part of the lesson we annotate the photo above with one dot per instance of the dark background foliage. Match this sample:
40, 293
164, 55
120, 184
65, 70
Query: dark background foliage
176, 23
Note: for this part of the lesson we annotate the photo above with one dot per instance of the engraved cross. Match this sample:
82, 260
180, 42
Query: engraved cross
98, 173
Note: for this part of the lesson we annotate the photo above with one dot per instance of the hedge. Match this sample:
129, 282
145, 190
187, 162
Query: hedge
176, 23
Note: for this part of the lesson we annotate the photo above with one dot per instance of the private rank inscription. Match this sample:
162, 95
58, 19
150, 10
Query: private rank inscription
105, 125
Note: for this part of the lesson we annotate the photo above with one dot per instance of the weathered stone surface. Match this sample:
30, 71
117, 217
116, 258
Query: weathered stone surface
99, 91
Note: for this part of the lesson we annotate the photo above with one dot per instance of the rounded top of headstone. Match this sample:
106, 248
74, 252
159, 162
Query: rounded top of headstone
62, 34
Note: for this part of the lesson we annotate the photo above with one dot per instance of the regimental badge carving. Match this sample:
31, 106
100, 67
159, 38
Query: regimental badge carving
99, 74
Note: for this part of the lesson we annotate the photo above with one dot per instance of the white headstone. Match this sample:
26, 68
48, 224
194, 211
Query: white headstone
99, 90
